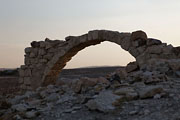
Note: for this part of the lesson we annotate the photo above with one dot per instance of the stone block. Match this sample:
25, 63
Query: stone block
42, 52
42, 44
69, 38
23, 67
105, 102
27, 61
126, 43
115, 38
48, 45
28, 50
52, 50
35, 51
43, 61
21, 72
155, 49
27, 81
103, 35
139, 42
132, 66
21, 80
34, 61
168, 49
93, 35
39, 65
83, 38
141, 59
141, 49
32, 55
176, 50
27, 73
174, 64
134, 52
150, 91
36, 72
48, 56
152, 41
138, 35
35, 44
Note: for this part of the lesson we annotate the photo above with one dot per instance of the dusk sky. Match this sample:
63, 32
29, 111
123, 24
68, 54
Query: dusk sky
23, 21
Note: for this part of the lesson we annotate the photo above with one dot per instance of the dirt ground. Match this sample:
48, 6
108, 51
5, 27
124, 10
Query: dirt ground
94, 72
9, 84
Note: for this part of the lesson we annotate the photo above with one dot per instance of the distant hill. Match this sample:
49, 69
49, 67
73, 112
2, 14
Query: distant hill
9, 72
106, 66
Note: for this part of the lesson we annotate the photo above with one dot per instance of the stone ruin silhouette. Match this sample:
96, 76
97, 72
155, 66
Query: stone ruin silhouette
44, 60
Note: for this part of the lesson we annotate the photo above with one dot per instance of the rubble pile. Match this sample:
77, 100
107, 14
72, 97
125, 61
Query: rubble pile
142, 94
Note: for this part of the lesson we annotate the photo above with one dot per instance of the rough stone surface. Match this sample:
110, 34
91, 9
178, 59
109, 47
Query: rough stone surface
104, 102
132, 66
150, 91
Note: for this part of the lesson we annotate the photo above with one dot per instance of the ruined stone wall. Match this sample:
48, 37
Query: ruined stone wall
44, 60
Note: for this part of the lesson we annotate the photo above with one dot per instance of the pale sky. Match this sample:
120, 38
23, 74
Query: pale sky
23, 21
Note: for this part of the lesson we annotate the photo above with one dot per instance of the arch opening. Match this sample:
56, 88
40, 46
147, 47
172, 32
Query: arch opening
104, 54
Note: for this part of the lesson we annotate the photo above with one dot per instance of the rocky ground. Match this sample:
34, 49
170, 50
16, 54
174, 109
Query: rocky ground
9, 81
126, 94
8, 85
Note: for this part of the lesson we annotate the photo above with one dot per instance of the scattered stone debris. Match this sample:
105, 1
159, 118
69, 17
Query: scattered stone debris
122, 95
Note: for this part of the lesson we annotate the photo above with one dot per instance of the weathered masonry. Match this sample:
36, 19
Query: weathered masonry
44, 60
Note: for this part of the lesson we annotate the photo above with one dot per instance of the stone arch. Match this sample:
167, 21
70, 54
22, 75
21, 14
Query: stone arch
76, 44
44, 60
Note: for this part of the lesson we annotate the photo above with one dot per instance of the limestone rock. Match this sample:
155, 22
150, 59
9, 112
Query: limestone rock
31, 114
123, 91
150, 91
28, 50
138, 38
155, 49
27, 73
104, 102
138, 35
93, 35
19, 107
16, 100
35, 44
121, 72
152, 41
175, 64
42, 52
48, 45
134, 52
126, 43
128, 92
32, 55
132, 66
52, 97
42, 44
85, 83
